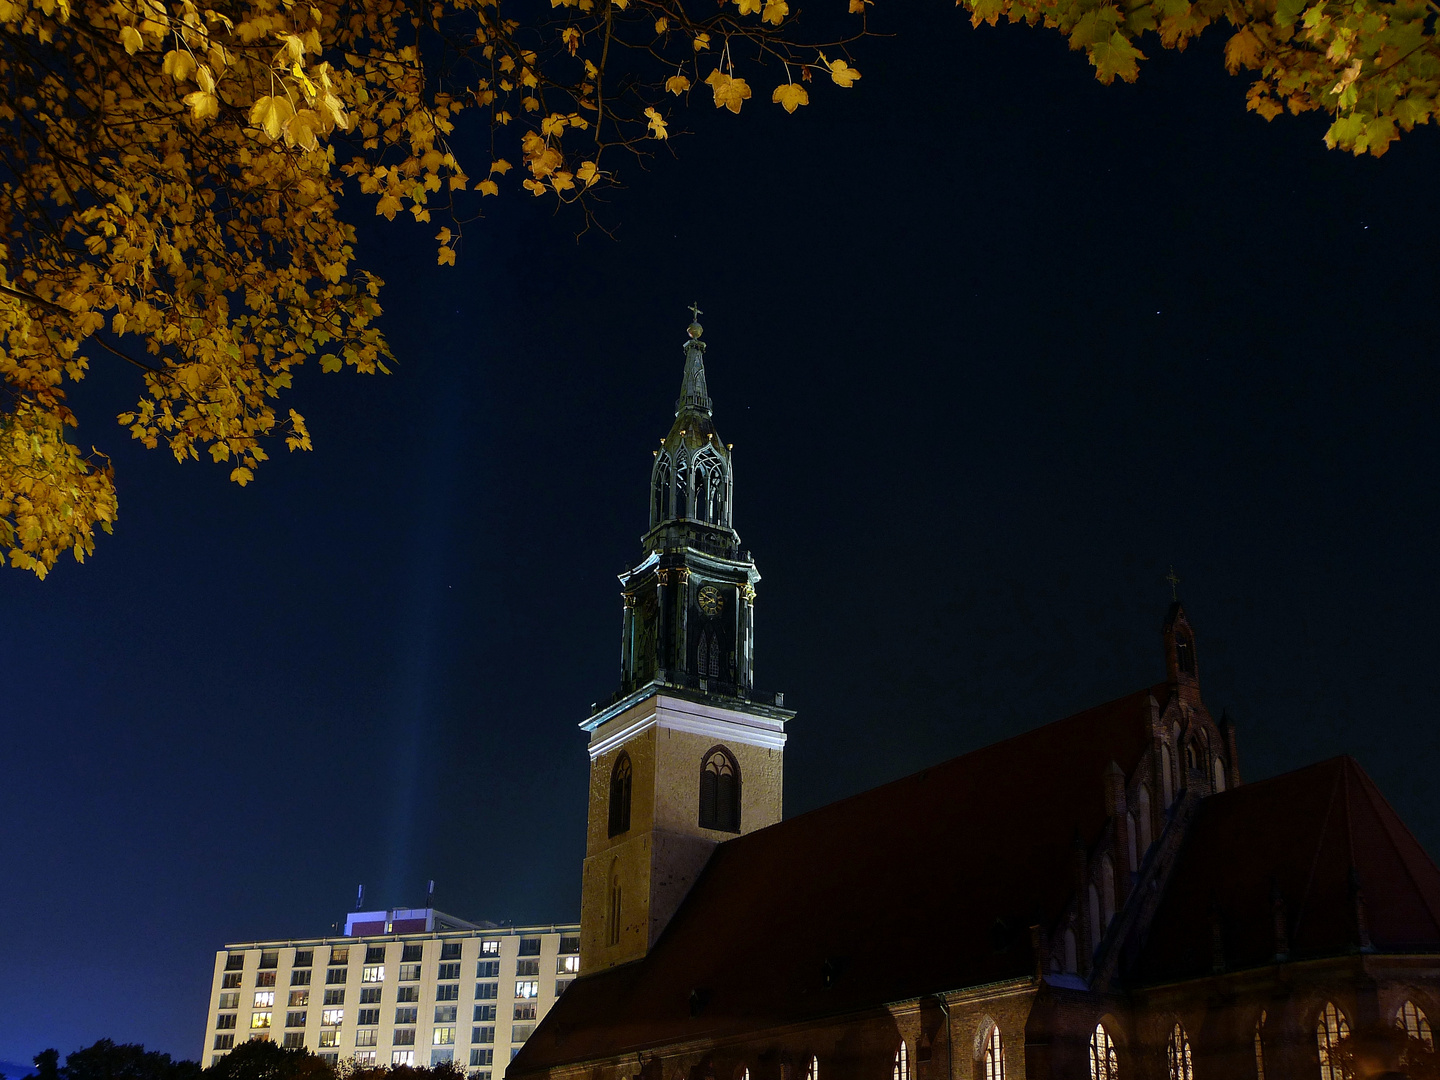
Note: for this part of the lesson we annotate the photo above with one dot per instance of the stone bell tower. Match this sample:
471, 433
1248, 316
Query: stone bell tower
687, 753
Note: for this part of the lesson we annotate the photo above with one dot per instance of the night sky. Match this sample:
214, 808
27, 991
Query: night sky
996, 347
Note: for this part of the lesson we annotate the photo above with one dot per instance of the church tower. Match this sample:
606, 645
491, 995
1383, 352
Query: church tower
687, 753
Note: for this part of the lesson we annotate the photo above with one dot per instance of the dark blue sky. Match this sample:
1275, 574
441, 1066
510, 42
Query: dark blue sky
995, 346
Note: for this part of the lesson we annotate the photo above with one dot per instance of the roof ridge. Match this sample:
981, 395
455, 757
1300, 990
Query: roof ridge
1315, 859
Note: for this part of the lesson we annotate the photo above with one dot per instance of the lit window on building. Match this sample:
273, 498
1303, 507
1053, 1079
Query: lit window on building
403, 1057
568, 965
442, 1036
260, 1020
1104, 1064
489, 948
299, 999
1177, 1055
367, 1036
372, 973
812, 1070
339, 954
527, 988
229, 982
994, 1063
524, 1010
1330, 1028
902, 1063
1411, 1020
365, 1057
332, 1017
330, 1038
264, 999
265, 978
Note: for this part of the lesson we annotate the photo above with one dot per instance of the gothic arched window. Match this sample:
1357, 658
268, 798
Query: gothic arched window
812, 1070
719, 791
1177, 1054
1219, 768
902, 1063
662, 490
994, 1060
1411, 1020
1260, 1047
707, 654
1185, 654
620, 795
1330, 1028
682, 489
1103, 1063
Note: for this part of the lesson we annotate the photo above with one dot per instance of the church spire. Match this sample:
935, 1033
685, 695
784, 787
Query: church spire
693, 395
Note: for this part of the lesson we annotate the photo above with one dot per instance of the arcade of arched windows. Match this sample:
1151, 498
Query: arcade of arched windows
697, 489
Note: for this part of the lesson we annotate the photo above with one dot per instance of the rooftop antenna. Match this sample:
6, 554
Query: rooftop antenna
360, 898
430, 895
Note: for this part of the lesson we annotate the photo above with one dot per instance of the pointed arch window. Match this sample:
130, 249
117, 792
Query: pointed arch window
993, 1065
812, 1070
707, 654
1104, 1065
1219, 767
1177, 1054
620, 795
662, 490
902, 1063
1411, 1019
1185, 654
719, 791
1330, 1028
682, 489
1260, 1047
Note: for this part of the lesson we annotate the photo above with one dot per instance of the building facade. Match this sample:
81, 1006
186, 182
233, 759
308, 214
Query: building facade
1099, 897
406, 986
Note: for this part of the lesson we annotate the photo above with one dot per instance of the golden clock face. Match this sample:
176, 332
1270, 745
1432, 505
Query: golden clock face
710, 601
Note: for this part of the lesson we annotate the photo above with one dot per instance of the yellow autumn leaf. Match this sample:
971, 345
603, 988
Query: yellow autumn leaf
241, 475
730, 91
535, 186
791, 96
488, 187
842, 73
443, 235
271, 114
446, 257
203, 104
748, 7
775, 12
661, 25
588, 173
857, 7
562, 181
387, 206
702, 41
677, 84
657, 123
179, 65
130, 38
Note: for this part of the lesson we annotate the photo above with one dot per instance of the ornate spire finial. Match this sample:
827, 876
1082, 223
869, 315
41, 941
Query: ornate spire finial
695, 329
1174, 584
692, 391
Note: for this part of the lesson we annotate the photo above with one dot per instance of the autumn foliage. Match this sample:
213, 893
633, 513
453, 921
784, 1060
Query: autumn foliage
172, 176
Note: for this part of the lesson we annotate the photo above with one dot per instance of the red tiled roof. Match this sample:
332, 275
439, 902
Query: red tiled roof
926, 884
1301, 833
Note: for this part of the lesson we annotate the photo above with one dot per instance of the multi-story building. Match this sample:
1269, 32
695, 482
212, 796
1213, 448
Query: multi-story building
406, 986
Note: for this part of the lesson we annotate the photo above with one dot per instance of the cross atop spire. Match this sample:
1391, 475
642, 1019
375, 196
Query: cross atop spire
1174, 584
695, 311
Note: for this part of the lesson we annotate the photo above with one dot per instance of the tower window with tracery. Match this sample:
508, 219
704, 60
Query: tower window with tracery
1185, 654
1104, 1064
620, 795
902, 1063
1177, 1053
1330, 1028
719, 791
993, 1065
